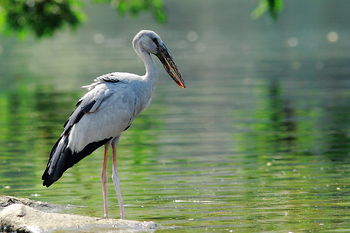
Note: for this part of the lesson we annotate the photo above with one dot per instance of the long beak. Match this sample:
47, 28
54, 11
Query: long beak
170, 65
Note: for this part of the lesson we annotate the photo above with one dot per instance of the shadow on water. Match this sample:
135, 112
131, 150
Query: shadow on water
336, 130
274, 126
296, 155
279, 126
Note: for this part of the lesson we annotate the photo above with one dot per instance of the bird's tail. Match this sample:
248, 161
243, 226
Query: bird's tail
59, 161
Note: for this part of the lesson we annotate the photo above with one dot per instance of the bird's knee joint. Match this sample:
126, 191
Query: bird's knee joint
104, 179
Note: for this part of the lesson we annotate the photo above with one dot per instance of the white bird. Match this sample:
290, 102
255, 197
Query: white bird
108, 109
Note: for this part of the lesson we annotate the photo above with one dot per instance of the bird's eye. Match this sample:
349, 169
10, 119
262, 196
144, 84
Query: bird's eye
155, 41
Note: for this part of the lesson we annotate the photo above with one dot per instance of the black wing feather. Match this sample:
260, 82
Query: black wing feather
77, 115
61, 156
66, 159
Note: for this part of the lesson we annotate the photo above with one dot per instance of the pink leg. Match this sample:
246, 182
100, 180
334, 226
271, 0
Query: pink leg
104, 182
116, 182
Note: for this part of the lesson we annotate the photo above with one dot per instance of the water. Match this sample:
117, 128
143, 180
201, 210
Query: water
258, 142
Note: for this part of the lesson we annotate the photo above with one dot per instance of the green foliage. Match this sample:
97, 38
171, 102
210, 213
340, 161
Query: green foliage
45, 17
136, 6
42, 18
274, 7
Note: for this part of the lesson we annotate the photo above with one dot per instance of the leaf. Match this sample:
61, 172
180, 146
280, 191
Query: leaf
274, 7
260, 9
122, 7
42, 18
45, 17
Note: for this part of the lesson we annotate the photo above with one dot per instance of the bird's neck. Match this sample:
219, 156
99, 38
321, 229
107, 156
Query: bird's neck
151, 68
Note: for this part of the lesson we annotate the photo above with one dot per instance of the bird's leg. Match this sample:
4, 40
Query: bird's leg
104, 182
116, 182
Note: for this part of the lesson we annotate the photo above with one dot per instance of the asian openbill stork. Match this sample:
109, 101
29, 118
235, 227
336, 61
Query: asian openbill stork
108, 109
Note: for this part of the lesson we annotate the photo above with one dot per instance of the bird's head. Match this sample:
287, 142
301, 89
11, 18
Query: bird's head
150, 42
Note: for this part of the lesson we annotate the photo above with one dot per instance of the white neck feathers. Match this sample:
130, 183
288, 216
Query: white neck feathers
151, 68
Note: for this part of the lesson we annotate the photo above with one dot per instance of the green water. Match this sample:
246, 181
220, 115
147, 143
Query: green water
258, 142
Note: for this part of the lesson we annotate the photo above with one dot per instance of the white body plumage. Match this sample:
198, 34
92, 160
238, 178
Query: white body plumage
118, 102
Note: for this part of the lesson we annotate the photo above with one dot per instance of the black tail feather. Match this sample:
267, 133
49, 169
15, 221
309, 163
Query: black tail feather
62, 158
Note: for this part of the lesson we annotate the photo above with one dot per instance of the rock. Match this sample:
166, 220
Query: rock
9, 200
23, 218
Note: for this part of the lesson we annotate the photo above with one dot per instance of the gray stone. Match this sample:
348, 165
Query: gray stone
9, 200
19, 217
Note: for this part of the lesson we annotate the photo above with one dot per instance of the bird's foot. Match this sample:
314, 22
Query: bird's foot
102, 218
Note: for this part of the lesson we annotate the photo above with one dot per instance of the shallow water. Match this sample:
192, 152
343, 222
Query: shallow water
258, 142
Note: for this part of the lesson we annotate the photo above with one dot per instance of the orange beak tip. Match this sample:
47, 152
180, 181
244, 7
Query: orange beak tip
181, 85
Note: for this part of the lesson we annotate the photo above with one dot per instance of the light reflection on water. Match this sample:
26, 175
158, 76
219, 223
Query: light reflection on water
259, 141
